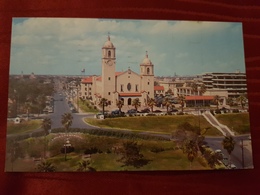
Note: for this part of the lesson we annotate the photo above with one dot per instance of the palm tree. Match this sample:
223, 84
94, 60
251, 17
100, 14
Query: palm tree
151, 102
119, 104
136, 103
66, 121
103, 102
242, 100
212, 158
195, 89
202, 89
40, 100
46, 125
181, 100
45, 166
167, 103
217, 100
228, 144
191, 149
230, 101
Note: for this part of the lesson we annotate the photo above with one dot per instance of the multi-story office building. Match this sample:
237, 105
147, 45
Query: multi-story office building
233, 83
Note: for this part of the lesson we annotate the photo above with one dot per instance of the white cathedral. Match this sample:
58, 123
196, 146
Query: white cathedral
114, 86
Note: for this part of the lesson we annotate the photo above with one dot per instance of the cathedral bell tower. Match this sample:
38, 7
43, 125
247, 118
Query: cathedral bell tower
147, 76
108, 69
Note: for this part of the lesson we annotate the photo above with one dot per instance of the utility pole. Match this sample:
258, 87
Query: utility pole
242, 150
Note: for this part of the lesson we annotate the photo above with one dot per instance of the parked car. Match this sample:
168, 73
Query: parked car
117, 113
146, 110
157, 111
174, 110
131, 111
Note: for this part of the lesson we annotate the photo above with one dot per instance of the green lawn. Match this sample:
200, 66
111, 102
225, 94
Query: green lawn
154, 124
168, 158
23, 127
239, 122
86, 106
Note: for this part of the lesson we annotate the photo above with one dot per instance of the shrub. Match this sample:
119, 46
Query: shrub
212, 112
235, 111
92, 150
157, 149
217, 111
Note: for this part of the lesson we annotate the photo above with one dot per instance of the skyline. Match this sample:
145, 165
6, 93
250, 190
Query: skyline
65, 46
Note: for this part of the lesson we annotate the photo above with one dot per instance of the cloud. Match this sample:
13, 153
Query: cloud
66, 45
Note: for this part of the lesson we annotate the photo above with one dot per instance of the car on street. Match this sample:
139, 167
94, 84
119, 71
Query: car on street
131, 111
146, 110
117, 113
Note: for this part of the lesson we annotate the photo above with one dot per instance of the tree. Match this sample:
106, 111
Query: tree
103, 102
242, 100
194, 88
66, 121
167, 103
119, 104
15, 150
40, 100
230, 101
202, 89
190, 148
181, 100
151, 103
136, 103
212, 158
131, 155
46, 125
83, 166
216, 100
228, 144
46, 166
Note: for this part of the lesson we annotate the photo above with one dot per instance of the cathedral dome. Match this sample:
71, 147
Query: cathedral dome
146, 60
108, 43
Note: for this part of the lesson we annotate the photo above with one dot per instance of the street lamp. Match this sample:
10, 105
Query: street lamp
242, 152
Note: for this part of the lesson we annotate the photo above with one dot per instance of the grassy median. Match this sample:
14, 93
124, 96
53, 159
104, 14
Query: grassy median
154, 124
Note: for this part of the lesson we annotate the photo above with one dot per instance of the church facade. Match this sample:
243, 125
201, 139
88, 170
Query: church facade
113, 85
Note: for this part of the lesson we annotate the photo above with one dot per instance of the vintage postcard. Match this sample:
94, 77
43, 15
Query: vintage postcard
127, 95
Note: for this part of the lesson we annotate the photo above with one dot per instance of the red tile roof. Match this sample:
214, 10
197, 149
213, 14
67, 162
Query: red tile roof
158, 88
129, 94
87, 80
118, 73
199, 97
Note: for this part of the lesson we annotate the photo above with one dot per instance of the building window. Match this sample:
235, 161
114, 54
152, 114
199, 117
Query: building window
122, 88
129, 86
89, 88
89, 93
85, 93
148, 70
86, 89
109, 78
148, 92
136, 88
109, 54
148, 83
108, 93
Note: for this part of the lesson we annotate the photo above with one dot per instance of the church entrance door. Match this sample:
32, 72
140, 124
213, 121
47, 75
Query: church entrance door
129, 101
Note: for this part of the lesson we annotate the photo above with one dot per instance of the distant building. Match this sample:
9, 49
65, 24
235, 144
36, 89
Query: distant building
234, 84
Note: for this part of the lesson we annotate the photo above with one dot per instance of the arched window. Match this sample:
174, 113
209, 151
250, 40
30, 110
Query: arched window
129, 101
109, 54
129, 86
148, 70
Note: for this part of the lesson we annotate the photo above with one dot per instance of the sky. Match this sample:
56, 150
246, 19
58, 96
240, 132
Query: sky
65, 46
